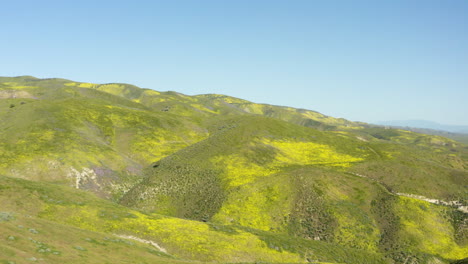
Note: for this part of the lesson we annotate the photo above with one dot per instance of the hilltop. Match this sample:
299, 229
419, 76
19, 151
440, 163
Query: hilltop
217, 178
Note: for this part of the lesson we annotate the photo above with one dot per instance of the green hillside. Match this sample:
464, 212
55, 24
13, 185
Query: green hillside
217, 178
81, 227
287, 179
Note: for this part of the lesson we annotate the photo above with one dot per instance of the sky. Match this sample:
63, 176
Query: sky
360, 60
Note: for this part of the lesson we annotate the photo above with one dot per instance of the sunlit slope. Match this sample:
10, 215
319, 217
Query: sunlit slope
414, 163
301, 117
28, 239
291, 180
79, 227
201, 106
242, 150
86, 138
140, 126
213, 104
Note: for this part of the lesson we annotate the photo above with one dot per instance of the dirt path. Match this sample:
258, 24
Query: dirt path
152, 243
455, 204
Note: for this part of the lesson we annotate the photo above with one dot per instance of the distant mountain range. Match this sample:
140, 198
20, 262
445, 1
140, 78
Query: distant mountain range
425, 124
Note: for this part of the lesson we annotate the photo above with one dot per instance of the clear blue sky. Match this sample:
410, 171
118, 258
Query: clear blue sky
361, 60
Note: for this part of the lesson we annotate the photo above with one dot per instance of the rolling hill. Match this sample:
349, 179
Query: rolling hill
173, 178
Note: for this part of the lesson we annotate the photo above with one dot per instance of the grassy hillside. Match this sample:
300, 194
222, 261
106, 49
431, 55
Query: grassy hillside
28, 239
217, 178
59, 224
86, 138
282, 178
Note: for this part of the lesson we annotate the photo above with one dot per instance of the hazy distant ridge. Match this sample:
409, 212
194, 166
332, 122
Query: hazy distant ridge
425, 124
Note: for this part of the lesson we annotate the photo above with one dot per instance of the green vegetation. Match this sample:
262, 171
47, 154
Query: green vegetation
56, 243
56, 213
216, 178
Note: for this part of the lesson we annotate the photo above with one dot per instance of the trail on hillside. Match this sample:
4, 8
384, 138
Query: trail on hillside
456, 204
150, 242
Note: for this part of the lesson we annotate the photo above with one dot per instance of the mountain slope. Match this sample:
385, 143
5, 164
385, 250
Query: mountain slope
98, 226
217, 178
287, 179
90, 139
